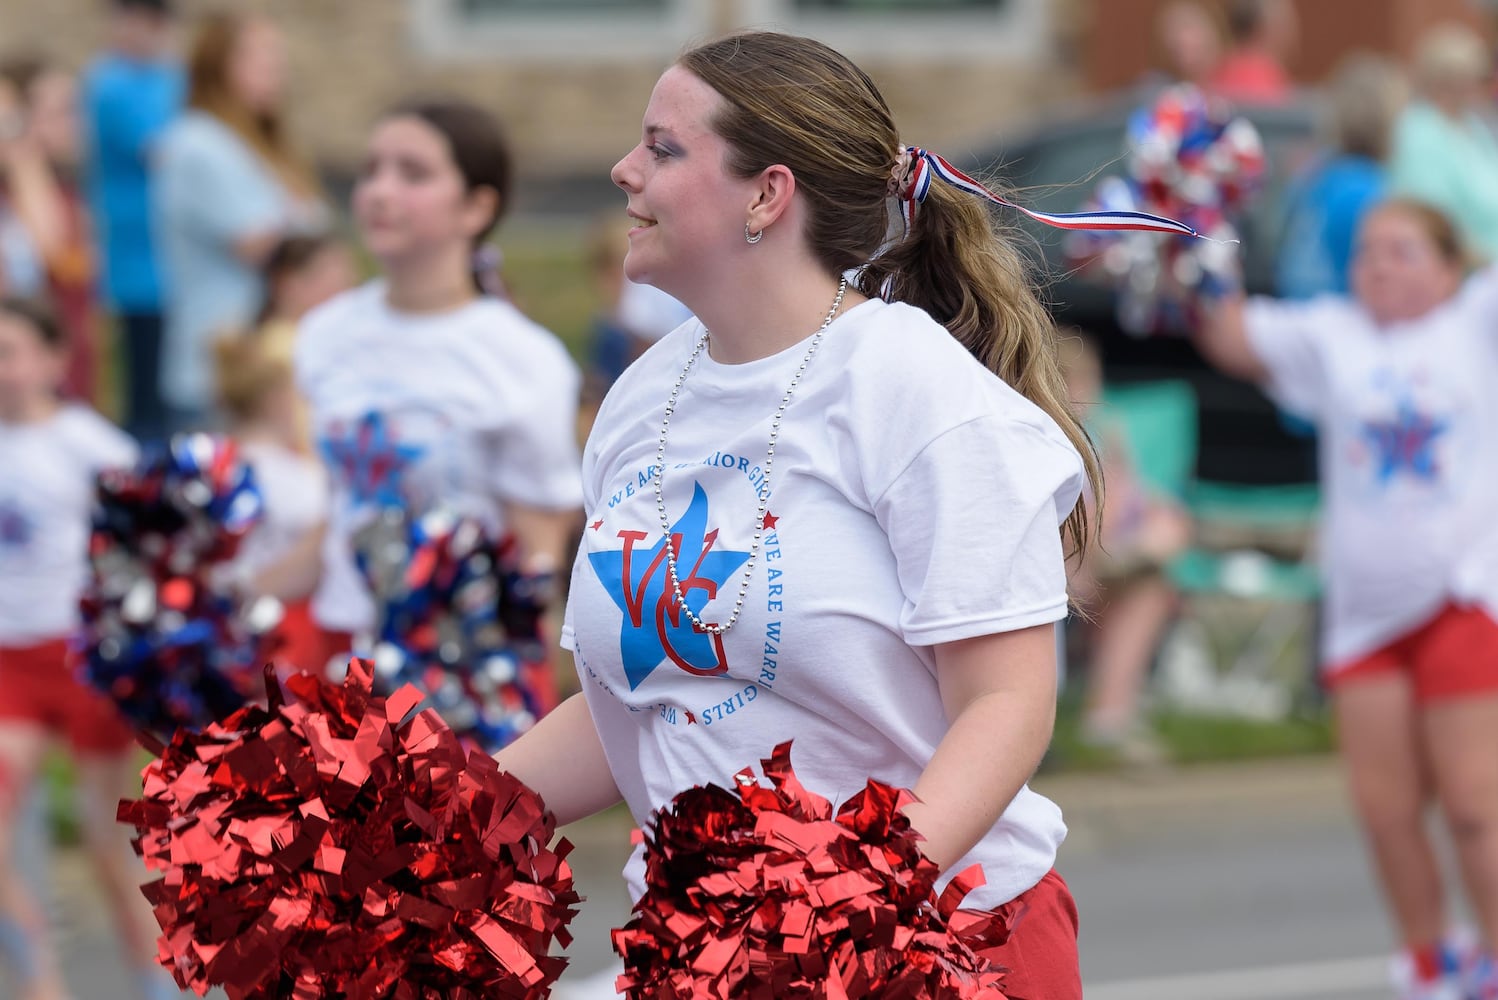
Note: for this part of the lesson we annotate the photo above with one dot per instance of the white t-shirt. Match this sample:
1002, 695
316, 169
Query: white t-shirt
294, 492
47, 493
465, 409
1408, 422
915, 501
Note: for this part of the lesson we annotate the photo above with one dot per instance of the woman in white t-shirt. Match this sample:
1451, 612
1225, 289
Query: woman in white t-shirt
1401, 381
426, 392
867, 519
50, 454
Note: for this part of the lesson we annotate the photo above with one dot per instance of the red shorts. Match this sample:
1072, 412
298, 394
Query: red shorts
331, 643
38, 685
1455, 654
302, 643
1041, 953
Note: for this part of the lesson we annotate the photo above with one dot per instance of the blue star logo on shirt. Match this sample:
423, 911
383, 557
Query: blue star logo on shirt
1405, 444
370, 460
15, 527
655, 629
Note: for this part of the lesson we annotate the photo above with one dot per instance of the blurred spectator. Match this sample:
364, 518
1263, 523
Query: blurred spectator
231, 185
1121, 580
428, 391
268, 417
1261, 35
257, 393
300, 274
130, 93
610, 348
649, 313
25, 186
1444, 153
1327, 203
52, 453
1190, 41
42, 179
1399, 379
633, 316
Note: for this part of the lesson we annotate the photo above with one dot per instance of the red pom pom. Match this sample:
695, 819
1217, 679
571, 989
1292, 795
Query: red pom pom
332, 847
765, 894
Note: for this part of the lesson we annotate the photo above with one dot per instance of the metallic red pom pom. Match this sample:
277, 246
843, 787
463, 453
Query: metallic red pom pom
338, 846
764, 894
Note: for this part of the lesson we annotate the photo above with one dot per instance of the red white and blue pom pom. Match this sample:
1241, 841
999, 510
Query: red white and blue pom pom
1192, 159
164, 635
458, 620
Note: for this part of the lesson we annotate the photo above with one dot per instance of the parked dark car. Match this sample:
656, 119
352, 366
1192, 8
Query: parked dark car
1055, 167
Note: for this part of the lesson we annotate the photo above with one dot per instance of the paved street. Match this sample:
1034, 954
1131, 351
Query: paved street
1241, 883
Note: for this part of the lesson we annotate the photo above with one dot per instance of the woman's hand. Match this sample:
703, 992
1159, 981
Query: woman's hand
1222, 337
562, 760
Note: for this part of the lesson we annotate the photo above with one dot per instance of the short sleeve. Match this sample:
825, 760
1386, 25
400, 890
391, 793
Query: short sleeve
102, 444
1480, 295
1286, 337
974, 523
215, 190
536, 460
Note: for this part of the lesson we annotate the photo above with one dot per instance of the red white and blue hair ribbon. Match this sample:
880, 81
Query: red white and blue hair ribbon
926, 167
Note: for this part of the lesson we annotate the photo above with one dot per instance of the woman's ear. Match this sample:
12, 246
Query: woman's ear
480, 208
771, 196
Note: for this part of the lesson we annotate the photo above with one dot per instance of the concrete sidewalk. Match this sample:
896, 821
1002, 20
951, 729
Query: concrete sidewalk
1261, 791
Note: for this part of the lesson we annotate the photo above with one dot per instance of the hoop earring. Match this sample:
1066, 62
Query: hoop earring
752, 238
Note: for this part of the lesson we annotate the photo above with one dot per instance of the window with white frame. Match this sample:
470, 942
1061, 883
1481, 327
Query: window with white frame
529, 30
657, 29
974, 29
554, 8
897, 6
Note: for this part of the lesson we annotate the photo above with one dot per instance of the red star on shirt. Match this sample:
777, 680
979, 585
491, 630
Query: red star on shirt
596, 524
691, 719
770, 521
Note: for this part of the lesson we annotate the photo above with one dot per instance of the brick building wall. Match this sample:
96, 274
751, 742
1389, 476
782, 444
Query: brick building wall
572, 111
1116, 39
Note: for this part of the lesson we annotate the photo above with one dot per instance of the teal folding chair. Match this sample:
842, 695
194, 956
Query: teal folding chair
1159, 421
1249, 648
1244, 644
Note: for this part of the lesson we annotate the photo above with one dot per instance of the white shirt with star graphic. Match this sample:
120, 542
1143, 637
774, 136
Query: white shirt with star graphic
1408, 422
915, 500
464, 409
294, 498
47, 498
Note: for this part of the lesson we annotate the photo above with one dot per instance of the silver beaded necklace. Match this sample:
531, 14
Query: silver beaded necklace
764, 487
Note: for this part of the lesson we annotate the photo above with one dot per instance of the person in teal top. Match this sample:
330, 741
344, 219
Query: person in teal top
1445, 153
